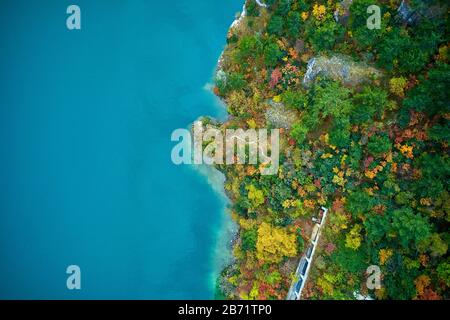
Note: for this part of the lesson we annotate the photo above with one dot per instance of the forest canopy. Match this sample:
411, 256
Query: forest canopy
364, 133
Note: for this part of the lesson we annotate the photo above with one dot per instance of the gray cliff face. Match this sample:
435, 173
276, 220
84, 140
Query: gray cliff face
411, 14
279, 116
406, 13
339, 68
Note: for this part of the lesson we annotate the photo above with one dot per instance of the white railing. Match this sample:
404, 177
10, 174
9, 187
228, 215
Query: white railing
292, 294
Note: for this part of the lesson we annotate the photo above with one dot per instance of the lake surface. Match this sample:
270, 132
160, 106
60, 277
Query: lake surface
86, 176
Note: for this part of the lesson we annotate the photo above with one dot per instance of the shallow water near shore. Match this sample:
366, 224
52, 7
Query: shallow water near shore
86, 176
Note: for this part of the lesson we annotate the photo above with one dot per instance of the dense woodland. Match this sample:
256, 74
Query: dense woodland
375, 152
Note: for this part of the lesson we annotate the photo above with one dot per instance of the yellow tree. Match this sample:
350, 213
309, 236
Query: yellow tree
274, 243
353, 238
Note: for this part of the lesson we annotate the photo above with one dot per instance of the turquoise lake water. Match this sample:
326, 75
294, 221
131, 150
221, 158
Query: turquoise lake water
86, 176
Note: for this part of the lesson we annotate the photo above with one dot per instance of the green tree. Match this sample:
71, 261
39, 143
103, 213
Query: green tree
248, 47
353, 261
399, 281
404, 198
423, 43
340, 133
330, 98
249, 238
274, 277
359, 202
275, 25
252, 8
325, 36
435, 245
368, 103
231, 82
293, 24
358, 23
377, 227
379, 144
435, 178
272, 54
391, 45
299, 132
443, 271
411, 228
294, 99
283, 7
432, 94
440, 133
